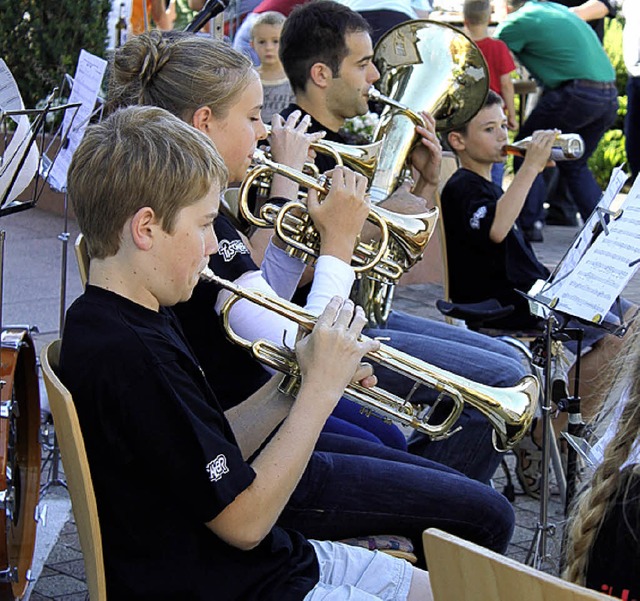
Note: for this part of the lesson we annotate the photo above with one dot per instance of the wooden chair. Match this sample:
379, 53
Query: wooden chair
76, 467
463, 571
82, 257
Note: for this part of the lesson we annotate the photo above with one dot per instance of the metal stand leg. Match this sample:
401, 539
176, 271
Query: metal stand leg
538, 551
54, 453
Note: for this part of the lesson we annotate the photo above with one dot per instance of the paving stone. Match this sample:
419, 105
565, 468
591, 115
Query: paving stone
54, 586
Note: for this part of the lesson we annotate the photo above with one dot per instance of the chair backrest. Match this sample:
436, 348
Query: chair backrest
76, 468
82, 257
463, 571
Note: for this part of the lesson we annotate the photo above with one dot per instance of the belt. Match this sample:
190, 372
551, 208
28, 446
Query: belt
589, 83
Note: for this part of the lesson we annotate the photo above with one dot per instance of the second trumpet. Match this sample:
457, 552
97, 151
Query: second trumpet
293, 224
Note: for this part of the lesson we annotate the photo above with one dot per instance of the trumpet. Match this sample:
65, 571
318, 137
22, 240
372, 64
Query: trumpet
292, 223
509, 410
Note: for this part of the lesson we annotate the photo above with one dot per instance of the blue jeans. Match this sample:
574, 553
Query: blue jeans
571, 108
355, 488
465, 353
632, 125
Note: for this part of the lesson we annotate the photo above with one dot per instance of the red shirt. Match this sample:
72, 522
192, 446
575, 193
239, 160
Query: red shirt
281, 6
499, 61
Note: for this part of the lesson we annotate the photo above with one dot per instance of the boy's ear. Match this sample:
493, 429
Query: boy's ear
142, 227
202, 119
456, 141
320, 74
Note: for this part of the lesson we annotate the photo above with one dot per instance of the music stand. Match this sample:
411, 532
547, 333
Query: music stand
68, 135
584, 287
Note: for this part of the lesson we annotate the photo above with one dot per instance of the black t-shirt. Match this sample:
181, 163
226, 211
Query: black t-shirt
231, 371
480, 269
164, 462
614, 564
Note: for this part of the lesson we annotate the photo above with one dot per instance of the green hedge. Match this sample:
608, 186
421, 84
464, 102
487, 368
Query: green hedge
41, 40
610, 152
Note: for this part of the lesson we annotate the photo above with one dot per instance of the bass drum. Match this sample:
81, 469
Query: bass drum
20, 457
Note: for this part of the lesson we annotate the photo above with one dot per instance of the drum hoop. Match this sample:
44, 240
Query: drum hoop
18, 372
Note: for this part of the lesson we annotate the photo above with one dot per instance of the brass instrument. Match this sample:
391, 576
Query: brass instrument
424, 66
293, 225
509, 410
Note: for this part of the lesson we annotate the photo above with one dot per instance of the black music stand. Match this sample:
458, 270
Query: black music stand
561, 296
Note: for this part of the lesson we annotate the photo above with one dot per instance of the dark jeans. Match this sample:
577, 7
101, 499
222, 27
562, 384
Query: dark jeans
571, 108
632, 125
354, 488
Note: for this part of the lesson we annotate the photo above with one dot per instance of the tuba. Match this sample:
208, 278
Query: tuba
509, 410
424, 66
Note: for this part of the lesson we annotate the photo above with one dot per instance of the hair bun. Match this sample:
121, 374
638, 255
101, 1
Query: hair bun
156, 56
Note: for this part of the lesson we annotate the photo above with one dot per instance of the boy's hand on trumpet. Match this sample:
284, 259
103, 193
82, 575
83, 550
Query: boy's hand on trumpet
330, 357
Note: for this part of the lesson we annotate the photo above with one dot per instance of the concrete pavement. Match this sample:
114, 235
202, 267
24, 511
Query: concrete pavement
32, 292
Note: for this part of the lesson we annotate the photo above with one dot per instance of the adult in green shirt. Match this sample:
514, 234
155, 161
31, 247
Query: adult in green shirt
579, 95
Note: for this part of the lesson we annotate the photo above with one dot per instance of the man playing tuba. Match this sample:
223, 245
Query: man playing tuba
327, 53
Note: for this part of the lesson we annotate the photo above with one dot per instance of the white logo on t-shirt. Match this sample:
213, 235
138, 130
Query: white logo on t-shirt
474, 222
228, 249
217, 468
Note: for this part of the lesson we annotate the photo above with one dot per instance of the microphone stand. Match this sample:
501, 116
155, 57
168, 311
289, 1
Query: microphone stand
209, 10
54, 452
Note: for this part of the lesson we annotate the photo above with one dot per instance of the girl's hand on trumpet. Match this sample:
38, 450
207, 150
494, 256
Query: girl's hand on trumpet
339, 217
330, 357
290, 143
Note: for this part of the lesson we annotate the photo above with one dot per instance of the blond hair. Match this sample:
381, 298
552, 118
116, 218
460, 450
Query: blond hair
271, 17
609, 482
477, 12
179, 72
138, 157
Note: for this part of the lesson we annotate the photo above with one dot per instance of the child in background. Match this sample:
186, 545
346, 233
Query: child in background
265, 40
477, 14
488, 256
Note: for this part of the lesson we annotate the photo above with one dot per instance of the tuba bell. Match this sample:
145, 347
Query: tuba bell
509, 410
424, 66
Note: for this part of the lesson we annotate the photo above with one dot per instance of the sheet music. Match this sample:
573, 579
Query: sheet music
86, 87
10, 162
593, 284
584, 237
